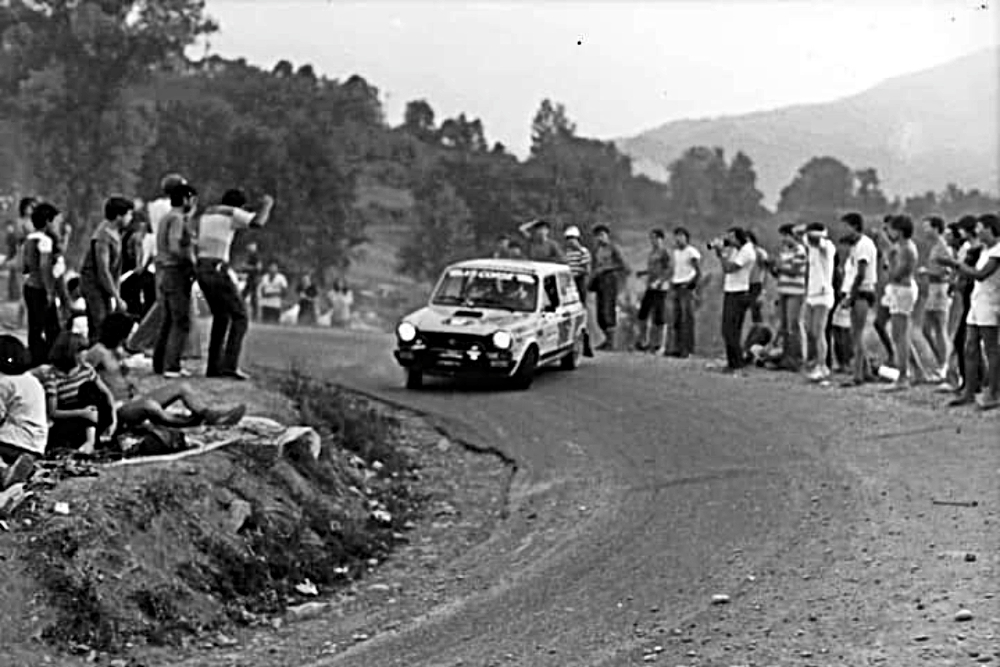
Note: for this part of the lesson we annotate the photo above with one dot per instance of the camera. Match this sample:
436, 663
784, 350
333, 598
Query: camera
718, 243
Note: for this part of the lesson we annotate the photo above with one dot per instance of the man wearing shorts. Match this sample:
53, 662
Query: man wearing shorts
819, 296
858, 290
938, 302
654, 298
901, 292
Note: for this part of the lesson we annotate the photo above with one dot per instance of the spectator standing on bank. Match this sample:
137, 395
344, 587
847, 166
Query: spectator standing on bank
653, 306
253, 266
102, 265
737, 255
175, 267
789, 271
307, 293
758, 272
540, 247
271, 294
983, 320
608, 275
15, 258
685, 275
858, 290
938, 302
216, 229
819, 297
579, 260
38, 261
901, 292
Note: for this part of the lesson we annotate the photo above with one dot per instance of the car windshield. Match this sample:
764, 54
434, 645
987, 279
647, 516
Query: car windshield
480, 288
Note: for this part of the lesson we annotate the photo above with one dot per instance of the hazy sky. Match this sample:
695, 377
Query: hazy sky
619, 67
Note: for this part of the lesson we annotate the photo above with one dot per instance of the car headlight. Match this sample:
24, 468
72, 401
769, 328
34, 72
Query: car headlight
502, 340
406, 332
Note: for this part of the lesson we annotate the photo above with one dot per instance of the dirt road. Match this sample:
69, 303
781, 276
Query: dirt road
647, 486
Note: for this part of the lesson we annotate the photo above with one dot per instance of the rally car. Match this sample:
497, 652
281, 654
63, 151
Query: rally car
494, 318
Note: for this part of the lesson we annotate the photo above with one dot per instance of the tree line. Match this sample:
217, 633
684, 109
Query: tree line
97, 97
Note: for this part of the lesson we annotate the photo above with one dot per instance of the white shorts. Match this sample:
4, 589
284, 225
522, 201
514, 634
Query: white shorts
900, 299
937, 298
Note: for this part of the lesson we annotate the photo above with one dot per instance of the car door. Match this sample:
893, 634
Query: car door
551, 315
570, 312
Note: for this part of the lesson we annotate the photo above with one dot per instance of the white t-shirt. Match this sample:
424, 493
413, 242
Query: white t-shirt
23, 420
271, 290
864, 250
155, 211
984, 309
739, 281
216, 232
819, 279
684, 261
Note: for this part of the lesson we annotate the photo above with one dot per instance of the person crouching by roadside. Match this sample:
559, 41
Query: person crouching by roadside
80, 406
24, 425
819, 297
789, 271
607, 277
654, 298
737, 255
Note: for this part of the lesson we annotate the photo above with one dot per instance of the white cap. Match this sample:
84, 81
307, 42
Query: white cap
572, 232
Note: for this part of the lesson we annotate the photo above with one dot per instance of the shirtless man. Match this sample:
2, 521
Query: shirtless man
901, 291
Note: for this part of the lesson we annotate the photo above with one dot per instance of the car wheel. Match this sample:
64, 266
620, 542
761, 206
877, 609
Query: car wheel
571, 361
525, 373
414, 379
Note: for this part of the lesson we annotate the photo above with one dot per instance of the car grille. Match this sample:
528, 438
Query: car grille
450, 341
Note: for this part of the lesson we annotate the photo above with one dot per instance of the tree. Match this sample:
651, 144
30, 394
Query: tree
823, 184
550, 124
699, 182
741, 194
71, 64
440, 234
418, 120
868, 196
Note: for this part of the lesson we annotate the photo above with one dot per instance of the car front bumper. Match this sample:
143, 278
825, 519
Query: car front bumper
452, 363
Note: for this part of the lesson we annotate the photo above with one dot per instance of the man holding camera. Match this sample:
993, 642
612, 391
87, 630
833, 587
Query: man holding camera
821, 253
737, 256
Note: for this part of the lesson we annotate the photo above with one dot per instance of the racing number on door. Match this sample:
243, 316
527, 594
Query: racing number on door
565, 331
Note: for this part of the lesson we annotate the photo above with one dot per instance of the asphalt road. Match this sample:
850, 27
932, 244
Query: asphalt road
639, 484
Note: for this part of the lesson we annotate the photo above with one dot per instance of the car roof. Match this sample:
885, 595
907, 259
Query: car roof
512, 265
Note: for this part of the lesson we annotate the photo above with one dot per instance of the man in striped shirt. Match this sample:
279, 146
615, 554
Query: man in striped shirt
790, 273
578, 258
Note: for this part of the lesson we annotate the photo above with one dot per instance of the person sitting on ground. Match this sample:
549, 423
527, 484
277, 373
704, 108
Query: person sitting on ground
24, 426
79, 404
106, 357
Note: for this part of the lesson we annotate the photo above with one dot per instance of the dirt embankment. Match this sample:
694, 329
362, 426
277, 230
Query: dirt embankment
107, 563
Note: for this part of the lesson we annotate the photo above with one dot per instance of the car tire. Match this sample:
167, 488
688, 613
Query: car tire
525, 373
571, 360
414, 379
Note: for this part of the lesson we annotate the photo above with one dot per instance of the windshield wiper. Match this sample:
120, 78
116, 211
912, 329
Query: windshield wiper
493, 303
448, 300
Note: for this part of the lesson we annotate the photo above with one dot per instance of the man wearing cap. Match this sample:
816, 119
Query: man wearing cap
608, 276
819, 296
578, 258
540, 247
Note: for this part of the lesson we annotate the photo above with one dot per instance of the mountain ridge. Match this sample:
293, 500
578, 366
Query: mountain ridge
920, 130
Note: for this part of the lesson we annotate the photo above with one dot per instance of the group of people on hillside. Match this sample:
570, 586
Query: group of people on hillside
825, 294
81, 326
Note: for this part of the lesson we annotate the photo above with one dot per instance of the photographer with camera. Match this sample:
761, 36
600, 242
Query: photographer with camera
737, 255
821, 254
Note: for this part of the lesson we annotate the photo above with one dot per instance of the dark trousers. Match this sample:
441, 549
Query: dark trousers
606, 285
98, 309
682, 300
43, 323
791, 329
979, 372
756, 303
175, 294
734, 311
250, 291
581, 287
139, 293
229, 316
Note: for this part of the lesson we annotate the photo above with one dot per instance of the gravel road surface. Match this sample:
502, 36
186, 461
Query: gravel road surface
646, 486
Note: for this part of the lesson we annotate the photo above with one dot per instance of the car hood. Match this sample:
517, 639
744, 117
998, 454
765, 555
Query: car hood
466, 320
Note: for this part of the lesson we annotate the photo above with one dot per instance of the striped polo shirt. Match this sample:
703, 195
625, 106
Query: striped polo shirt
65, 387
797, 260
578, 260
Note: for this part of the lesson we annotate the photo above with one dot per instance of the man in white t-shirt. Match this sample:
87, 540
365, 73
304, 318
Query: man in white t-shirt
819, 296
271, 294
859, 290
683, 282
216, 229
983, 320
737, 256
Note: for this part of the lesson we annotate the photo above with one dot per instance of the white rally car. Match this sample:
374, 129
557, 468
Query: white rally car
494, 318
